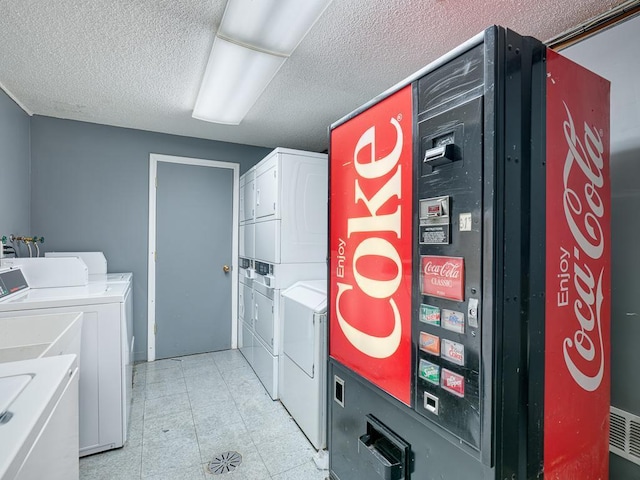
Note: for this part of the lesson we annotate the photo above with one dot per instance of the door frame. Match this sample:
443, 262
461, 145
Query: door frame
154, 158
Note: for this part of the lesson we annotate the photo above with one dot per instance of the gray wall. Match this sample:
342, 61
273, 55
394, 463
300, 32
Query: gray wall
14, 168
89, 191
613, 54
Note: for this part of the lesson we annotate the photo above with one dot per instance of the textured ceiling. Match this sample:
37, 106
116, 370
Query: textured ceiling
138, 63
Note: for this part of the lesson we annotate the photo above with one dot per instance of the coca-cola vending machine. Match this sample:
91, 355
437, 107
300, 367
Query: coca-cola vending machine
470, 271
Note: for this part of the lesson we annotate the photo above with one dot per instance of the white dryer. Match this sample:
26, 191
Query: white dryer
106, 364
39, 419
302, 383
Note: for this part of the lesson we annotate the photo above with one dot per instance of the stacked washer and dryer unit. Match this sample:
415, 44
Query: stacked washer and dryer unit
105, 366
283, 239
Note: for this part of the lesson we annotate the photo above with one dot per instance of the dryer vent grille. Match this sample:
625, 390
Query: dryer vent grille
624, 434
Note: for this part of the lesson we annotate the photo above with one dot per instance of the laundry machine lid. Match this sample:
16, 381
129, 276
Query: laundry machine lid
10, 388
310, 293
30, 409
124, 277
119, 277
92, 294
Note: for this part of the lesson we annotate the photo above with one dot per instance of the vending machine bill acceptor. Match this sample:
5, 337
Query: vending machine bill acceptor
469, 281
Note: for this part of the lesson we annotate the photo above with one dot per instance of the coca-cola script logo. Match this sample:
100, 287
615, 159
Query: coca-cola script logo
442, 274
584, 211
443, 277
367, 231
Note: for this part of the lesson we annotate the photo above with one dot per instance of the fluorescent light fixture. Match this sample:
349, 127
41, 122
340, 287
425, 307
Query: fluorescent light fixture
271, 25
253, 41
234, 79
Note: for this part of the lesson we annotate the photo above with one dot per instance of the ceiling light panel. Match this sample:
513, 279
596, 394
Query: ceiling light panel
272, 25
234, 79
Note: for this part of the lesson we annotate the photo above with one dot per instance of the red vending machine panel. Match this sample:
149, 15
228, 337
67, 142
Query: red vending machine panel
578, 270
370, 242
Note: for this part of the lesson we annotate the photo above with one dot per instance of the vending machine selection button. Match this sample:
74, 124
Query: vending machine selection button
452, 351
452, 382
453, 321
430, 343
430, 314
430, 372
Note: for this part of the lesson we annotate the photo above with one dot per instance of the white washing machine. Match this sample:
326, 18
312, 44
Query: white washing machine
39, 419
302, 385
106, 345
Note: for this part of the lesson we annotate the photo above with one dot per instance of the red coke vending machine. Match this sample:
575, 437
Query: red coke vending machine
470, 271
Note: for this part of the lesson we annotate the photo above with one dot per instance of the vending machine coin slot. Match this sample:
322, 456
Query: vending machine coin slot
442, 149
437, 156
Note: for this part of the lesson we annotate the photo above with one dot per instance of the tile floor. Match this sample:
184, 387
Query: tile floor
188, 409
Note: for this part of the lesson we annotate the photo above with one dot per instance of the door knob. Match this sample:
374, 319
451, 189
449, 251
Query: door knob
226, 268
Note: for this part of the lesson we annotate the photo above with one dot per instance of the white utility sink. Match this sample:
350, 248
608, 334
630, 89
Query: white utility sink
35, 336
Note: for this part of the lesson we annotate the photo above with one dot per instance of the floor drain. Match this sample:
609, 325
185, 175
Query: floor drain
225, 462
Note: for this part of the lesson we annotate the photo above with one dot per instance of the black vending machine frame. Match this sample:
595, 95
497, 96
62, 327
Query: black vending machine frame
512, 285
